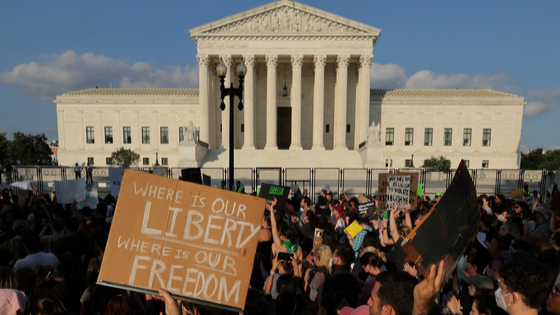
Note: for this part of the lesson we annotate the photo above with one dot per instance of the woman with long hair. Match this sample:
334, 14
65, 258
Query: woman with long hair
314, 277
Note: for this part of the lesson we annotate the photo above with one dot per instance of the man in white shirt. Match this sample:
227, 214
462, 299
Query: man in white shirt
35, 257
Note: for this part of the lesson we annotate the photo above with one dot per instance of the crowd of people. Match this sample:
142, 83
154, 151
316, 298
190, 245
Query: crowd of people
306, 262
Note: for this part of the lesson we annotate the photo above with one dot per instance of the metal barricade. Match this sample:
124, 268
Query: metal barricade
300, 177
355, 181
328, 179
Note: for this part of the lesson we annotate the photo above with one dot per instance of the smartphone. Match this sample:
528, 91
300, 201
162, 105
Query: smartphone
284, 256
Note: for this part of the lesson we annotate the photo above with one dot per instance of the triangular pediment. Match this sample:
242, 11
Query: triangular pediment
285, 17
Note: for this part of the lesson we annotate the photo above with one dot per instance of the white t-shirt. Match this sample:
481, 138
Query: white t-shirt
34, 260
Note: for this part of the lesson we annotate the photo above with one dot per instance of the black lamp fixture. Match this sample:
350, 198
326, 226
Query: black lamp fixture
241, 70
285, 89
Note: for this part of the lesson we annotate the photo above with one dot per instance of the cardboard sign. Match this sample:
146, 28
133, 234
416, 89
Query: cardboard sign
318, 238
414, 187
269, 192
398, 191
364, 207
69, 190
90, 201
196, 242
115, 179
445, 233
191, 175
206, 180
382, 191
517, 194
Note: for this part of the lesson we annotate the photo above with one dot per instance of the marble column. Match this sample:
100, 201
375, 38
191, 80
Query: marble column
297, 63
341, 100
248, 102
228, 61
319, 102
203, 63
271, 112
362, 122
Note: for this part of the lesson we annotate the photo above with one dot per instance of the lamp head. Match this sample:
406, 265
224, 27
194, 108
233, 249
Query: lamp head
285, 91
221, 69
241, 69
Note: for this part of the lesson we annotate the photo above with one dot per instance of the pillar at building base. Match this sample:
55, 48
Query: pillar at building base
296, 147
318, 148
192, 154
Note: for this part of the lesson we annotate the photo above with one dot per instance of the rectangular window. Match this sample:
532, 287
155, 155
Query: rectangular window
408, 136
90, 136
164, 161
485, 163
145, 135
389, 136
127, 135
90, 161
242, 127
108, 161
428, 136
467, 135
145, 161
108, 134
388, 163
466, 163
327, 128
486, 134
408, 163
447, 136
181, 135
220, 127
164, 135
347, 128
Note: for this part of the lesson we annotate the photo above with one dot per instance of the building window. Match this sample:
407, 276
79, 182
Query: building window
145, 161
408, 136
485, 163
408, 163
181, 135
164, 135
389, 136
347, 128
108, 161
388, 163
90, 160
108, 134
164, 161
467, 134
90, 136
145, 135
327, 128
447, 136
466, 163
127, 135
428, 136
242, 127
220, 127
486, 134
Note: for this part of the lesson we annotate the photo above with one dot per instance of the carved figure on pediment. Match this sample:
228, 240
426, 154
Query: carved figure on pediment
296, 24
374, 133
254, 25
285, 22
318, 26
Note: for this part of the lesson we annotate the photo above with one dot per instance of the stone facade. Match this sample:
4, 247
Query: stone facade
325, 62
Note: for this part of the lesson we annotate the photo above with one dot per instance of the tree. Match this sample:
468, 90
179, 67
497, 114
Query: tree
537, 160
27, 149
4, 147
123, 157
441, 163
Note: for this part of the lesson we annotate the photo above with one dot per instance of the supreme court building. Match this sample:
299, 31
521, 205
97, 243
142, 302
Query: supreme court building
307, 103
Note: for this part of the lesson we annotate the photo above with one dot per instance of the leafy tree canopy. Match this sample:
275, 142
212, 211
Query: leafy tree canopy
537, 160
123, 157
439, 163
25, 149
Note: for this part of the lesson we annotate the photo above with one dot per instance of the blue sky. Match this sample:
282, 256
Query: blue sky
52, 47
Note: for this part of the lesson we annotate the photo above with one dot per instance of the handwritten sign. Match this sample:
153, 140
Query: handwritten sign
195, 241
69, 190
414, 187
90, 201
269, 192
115, 179
398, 191
363, 208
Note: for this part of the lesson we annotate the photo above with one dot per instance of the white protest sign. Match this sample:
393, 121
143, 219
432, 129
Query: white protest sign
115, 179
398, 191
90, 201
69, 190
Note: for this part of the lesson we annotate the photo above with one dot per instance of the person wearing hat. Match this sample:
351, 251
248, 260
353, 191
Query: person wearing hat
542, 217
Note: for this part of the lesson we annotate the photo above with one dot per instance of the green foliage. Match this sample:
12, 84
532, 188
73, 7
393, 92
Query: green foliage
537, 160
440, 163
28, 150
123, 157
4, 147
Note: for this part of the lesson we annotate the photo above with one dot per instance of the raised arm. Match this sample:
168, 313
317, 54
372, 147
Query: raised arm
394, 232
277, 241
407, 219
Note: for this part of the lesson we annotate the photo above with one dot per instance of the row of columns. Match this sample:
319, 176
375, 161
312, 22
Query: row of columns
320, 61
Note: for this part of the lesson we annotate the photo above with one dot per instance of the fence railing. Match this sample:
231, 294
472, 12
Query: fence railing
354, 181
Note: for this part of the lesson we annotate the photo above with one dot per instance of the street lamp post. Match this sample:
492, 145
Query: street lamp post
231, 92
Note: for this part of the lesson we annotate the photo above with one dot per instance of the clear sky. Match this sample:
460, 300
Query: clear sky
53, 47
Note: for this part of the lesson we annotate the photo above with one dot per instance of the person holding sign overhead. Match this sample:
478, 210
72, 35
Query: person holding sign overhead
284, 241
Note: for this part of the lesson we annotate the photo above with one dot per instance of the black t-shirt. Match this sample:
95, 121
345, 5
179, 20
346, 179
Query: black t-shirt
345, 282
397, 256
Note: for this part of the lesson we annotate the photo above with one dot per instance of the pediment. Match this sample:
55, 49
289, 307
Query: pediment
285, 17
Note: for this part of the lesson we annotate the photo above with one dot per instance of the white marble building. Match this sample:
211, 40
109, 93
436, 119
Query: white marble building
324, 119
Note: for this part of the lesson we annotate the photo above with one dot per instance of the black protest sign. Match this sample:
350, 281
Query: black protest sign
269, 192
364, 207
445, 233
207, 180
398, 191
191, 175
